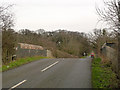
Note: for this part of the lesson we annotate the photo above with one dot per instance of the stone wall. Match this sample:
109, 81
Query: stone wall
111, 54
29, 50
21, 53
49, 53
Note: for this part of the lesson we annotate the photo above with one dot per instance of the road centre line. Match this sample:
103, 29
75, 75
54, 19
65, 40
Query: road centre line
18, 84
49, 66
26, 80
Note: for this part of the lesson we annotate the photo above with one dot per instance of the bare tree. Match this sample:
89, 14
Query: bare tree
111, 14
6, 18
8, 34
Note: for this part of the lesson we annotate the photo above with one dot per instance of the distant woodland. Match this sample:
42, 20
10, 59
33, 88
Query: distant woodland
62, 43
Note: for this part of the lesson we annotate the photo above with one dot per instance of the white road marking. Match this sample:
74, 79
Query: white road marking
49, 66
18, 84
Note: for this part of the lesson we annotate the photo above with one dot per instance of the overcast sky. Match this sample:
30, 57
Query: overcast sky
73, 15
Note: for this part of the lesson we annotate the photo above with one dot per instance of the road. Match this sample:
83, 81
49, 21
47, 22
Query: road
50, 73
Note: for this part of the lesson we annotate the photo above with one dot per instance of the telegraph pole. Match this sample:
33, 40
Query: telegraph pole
118, 45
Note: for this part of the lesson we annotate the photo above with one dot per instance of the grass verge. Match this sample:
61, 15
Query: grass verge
102, 75
20, 62
83, 56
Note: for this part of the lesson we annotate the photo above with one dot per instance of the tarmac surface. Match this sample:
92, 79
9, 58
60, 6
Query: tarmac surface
50, 73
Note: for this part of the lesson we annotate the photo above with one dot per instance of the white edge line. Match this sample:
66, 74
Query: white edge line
18, 84
49, 66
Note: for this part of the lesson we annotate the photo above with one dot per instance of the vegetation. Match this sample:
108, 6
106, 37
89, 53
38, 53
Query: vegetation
110, 14
20, 62
73, 43
101, 36
102, 75
8, 34
62, 43
65, 44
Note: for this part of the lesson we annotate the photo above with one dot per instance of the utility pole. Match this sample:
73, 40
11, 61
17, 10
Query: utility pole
118, 45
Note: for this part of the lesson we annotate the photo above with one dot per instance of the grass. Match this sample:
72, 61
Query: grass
20, 62
83, 56
102, 75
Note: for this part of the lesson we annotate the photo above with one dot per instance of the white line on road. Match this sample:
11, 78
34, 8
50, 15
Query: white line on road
49, 66
18, 84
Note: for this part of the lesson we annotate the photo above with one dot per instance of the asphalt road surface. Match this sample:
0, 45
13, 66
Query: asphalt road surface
50, 73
